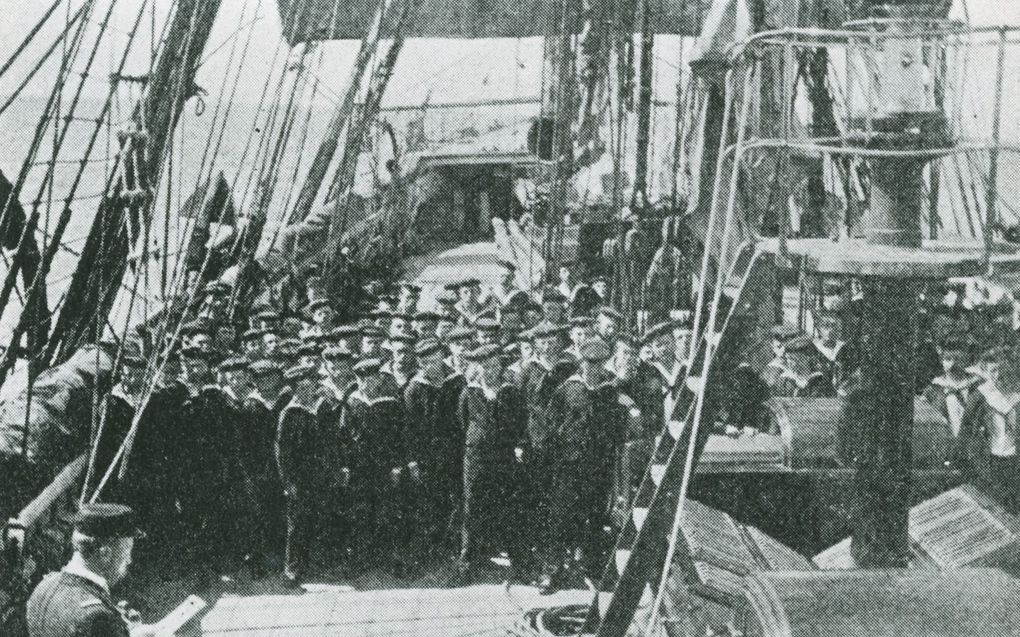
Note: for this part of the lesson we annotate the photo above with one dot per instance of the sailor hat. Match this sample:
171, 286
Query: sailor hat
483, 353
265, 366
233, 364
487, 325
427, 346
299, 372
458, 334
367, 366
548, 328
611, 312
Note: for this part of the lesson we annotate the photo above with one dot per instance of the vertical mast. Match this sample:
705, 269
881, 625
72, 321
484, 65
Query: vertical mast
644, 109
331, 142
560, 71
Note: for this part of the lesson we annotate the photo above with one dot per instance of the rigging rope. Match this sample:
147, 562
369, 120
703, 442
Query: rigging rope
30, 36
708, 336
53, 47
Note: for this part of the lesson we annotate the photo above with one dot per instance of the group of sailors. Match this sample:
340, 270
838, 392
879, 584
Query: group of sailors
968, 369
491, 425
506, 423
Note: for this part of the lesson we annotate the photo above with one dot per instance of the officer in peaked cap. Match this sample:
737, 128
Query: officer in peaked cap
76, 600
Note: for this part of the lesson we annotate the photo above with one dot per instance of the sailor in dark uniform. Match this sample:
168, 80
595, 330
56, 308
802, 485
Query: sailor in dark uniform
799, 378
320, 316
148, 470
206, 480
374, 426
261, 417
493, 415
346, 336
639, 404
578, 478
542, 376
121, 406
372, 338
513, 314
668, 349
950, 391
198, 334
833, 356
581, 329
336, 382
424, 324
297, 447
989, 432
76, 600
270, 341
244, 506
251, 343
469, 307
507, 286
432, 437
458, 341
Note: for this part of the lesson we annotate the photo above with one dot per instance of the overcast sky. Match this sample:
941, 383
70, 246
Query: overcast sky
448, 69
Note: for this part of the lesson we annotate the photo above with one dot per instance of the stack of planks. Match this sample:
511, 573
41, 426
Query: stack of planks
960, 528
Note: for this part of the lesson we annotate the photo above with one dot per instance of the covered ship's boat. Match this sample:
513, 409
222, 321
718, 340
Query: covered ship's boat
48, 423
967, 602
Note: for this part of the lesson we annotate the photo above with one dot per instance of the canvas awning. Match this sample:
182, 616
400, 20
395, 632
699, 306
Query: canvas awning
312, 20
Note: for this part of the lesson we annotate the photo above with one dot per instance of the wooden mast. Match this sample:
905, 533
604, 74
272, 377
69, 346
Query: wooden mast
101, 269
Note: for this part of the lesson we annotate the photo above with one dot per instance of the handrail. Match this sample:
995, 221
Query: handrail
20, 529
64, 482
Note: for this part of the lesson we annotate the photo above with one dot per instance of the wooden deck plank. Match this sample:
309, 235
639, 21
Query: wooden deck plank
383, 613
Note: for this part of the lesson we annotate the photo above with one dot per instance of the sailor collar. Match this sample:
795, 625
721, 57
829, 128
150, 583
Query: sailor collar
422, 378
577, 378
490, 394
257, 396
830, 353
955, 384
671, 376
297, 404
998, 401
78, 569
801, 381
360, 395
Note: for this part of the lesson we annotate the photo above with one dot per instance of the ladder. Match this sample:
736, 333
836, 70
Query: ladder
637, 560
